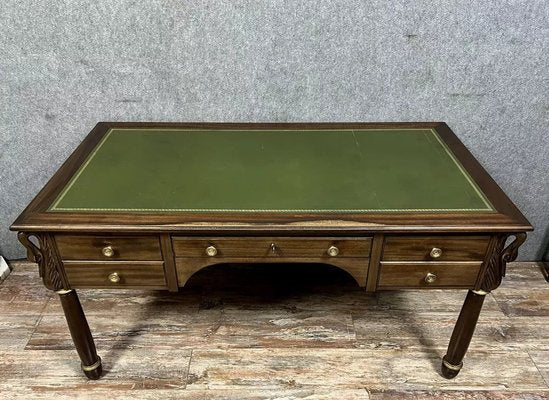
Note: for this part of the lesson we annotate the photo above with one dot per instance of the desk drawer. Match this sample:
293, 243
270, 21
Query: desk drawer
77, 247
435, 248
97, 274
428, 274
271, 247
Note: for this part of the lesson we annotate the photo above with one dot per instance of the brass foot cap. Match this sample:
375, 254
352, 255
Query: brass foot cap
93, 371
449, 370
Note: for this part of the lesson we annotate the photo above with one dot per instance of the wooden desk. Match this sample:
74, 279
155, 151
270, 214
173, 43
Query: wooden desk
395, 205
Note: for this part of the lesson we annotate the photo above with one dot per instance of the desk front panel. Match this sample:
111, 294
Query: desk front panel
399, 262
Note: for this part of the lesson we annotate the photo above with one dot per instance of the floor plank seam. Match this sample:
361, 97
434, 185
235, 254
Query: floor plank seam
500, 308
352, 336
188, 370
539, 371
37, 322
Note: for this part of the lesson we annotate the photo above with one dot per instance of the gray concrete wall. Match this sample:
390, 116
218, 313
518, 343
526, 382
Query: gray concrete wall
483, 67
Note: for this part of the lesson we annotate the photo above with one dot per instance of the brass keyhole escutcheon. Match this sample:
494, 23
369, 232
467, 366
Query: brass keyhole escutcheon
107, 251
273, 248
430, 277
435, 252
114, 277
211, 251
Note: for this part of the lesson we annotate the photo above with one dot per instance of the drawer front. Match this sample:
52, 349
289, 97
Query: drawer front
76, 247
95, 274
424, 248
271, 247
428, 274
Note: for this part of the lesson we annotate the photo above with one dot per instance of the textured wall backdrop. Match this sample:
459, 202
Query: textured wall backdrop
483, 67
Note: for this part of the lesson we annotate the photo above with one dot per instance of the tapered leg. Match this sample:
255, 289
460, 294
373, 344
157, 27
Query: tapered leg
80, 332
463, 332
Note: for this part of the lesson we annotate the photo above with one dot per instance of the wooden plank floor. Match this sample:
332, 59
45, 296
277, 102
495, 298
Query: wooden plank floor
250, 332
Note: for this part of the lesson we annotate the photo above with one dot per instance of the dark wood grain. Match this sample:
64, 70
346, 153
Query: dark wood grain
169, 263
418, 248
462, 334
80, 333
263, 247
87, 247
412, 274
373, 269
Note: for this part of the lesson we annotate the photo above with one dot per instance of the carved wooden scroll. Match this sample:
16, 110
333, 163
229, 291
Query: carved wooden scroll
494, 269
45, 255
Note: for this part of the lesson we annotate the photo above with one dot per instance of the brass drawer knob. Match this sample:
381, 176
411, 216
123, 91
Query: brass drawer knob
211, 251
430, 277
333, 251
114, 277
107, 251
435, 252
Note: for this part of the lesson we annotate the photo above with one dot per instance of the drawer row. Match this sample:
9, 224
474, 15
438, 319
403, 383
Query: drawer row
148, 247
396, 248
405, 261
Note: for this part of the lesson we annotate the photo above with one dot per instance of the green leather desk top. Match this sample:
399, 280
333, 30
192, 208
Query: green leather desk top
343, 170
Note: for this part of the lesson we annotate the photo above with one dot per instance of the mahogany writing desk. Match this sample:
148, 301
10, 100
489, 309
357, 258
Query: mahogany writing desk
395, 205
